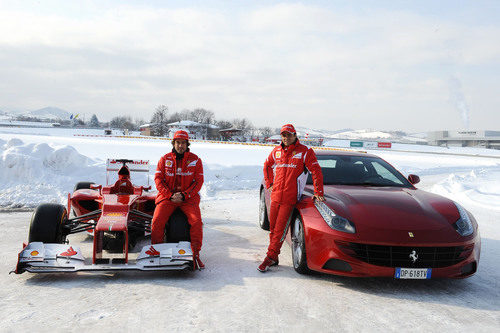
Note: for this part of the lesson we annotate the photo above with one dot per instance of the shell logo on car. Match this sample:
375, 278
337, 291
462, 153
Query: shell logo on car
115, 214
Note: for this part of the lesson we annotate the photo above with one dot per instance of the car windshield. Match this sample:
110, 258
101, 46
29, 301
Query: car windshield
358, 170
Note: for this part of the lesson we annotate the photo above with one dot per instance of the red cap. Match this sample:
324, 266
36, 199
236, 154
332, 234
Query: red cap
182, 135
288, 128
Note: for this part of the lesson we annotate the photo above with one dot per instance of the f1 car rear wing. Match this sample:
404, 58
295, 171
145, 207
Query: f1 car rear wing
132, 165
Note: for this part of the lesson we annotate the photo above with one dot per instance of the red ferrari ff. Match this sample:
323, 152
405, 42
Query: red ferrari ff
374, 222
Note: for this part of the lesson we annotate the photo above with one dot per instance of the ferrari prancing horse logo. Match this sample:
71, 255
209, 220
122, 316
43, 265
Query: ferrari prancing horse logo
413, 256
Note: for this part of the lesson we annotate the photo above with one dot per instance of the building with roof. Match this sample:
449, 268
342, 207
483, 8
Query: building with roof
196, 130
465, 138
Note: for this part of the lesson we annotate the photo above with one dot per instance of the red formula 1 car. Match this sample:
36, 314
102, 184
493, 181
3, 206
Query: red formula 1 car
118, 215
374, 222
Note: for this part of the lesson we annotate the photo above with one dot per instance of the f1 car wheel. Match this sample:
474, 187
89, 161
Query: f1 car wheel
263, 218
82, 185
299, 247
177, 228
47, 224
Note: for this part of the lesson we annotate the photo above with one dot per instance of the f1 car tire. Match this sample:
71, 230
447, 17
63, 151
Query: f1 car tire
263, 218
177, 228
47, 224
82, 185
299, 247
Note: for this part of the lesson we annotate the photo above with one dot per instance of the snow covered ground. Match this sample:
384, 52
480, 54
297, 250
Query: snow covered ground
40, 165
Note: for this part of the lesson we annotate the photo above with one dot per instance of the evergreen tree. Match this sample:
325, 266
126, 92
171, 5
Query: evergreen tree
94, 122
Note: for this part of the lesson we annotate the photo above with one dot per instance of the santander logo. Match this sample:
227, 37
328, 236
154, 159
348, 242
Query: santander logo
68, 253
152, 252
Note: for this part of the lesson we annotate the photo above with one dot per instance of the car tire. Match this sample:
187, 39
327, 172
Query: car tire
177, 229
263, 217
47, 224
82, 185
299, 257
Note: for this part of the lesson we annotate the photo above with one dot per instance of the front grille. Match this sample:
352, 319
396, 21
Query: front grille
403, 256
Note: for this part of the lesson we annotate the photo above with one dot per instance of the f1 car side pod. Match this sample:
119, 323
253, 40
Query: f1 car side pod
38, 257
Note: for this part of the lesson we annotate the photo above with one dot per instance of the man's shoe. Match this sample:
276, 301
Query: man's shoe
268, 262
197, 263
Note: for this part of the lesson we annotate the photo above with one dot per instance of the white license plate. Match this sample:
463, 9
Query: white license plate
413, 273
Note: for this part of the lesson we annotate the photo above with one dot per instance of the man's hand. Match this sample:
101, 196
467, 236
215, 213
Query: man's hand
177, 197
318, 197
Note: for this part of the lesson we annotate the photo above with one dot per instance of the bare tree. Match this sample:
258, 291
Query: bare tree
160, 120
138, 122
174, 117
185, 115
243, 124
223, 124
266, 131
202, 116
122, 122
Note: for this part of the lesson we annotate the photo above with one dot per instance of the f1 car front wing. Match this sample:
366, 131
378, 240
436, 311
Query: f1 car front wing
40, 257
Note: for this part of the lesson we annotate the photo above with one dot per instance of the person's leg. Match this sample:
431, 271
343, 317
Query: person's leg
273, 214
277, 237
193, 215
160, 217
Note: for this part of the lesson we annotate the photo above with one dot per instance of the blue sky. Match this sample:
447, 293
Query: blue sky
402, 65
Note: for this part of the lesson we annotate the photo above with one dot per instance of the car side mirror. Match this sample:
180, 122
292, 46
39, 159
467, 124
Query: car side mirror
414, 179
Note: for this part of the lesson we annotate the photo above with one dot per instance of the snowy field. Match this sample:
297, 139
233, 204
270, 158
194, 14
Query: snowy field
42, 165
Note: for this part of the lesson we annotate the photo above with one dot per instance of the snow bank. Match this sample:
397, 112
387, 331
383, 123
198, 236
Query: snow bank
40, 169
479, 187
35, 173
220, 178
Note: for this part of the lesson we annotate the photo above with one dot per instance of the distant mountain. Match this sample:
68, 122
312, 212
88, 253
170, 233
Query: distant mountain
49, 112
302, 131
11, 111
362, 134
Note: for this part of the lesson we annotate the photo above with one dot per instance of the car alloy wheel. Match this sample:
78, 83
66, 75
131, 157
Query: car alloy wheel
299, 247
263, 218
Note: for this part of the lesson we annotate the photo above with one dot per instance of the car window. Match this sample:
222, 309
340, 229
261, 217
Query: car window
329, 163
384, 173
358, 170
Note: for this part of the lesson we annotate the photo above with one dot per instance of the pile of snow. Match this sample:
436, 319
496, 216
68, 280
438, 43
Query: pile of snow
480, 187
42, 168
35, 173
220, 178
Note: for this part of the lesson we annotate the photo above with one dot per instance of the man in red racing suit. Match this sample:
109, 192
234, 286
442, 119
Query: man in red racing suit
178, 178
285, 175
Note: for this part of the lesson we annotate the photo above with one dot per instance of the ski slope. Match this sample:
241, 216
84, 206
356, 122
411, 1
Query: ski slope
38, 165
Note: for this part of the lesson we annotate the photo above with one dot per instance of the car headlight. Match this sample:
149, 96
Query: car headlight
463, 225
333, 220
